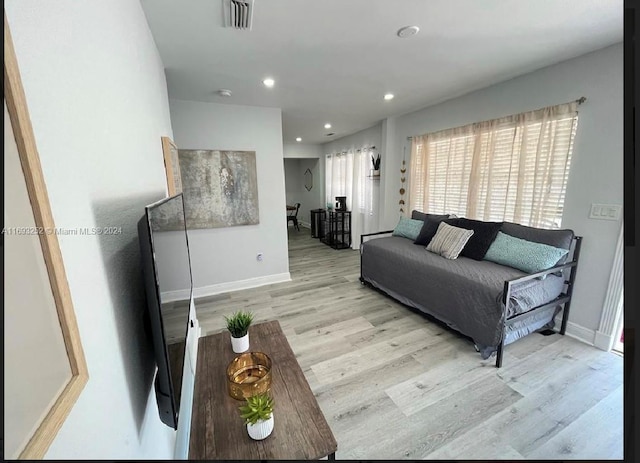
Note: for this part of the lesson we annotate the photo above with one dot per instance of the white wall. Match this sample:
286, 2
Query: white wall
96, 92
300, 150
312, 199
294, 170
596, 170
223, 259
369, 137
292, 180
314, 154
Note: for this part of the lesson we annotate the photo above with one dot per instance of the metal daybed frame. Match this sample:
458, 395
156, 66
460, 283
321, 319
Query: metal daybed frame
564, 299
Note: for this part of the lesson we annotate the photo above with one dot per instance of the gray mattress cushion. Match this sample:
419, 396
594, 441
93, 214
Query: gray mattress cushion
557, 238
465, 294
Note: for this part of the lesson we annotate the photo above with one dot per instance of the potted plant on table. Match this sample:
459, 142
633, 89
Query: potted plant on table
238, 325
257, 413
376, 165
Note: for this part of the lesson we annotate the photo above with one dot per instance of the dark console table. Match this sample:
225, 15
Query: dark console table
337, 230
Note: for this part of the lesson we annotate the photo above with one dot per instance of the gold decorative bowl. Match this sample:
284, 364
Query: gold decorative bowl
249, 374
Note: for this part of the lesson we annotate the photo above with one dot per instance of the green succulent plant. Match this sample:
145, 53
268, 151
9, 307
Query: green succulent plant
257, 407
239, 323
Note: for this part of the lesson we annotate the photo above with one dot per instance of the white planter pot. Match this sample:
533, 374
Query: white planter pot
261, 429
240, 344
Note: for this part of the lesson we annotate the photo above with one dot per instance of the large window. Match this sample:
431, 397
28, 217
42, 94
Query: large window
513, 169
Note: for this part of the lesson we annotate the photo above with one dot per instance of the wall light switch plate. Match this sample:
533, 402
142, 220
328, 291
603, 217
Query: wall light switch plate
605, 211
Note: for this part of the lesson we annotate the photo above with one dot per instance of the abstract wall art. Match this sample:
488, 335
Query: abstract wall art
220, 188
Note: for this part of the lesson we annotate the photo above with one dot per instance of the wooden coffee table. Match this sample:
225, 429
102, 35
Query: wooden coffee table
300, 429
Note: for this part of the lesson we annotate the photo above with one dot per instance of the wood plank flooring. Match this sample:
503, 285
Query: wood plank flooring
394, 385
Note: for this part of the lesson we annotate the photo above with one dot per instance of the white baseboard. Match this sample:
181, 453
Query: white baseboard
581, 333
603, 341
212, 290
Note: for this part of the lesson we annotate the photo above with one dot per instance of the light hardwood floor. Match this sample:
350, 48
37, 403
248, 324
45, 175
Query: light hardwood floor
394, 385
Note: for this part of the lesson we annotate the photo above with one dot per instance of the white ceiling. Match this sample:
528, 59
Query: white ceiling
333, 60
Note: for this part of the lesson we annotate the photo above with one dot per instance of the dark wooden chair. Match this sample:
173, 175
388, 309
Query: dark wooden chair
292, 216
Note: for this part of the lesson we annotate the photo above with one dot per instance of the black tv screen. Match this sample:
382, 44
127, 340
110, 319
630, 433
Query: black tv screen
164, 250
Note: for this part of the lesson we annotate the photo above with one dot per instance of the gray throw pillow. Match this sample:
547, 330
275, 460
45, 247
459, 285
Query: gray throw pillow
449, 240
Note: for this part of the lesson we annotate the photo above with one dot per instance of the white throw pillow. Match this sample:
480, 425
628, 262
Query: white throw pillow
449, 240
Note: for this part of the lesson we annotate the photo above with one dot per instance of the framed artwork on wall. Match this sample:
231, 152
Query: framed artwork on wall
171, 166
220, 188
45, 368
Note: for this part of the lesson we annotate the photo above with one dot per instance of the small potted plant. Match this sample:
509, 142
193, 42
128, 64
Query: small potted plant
376, 165
257, 413
238, 325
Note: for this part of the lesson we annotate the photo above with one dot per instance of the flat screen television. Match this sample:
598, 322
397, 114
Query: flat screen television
164, 251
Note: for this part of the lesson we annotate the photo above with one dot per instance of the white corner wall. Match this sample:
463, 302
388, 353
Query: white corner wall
596, 174
294, 171
96, 92
312, 199
311, 157
300, 150
224, 259
292, 180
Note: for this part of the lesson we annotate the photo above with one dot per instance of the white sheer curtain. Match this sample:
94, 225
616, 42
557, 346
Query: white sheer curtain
513, 168
347, 175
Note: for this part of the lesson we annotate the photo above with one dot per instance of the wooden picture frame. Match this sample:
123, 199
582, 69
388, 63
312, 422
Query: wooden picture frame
62, 402
171, 166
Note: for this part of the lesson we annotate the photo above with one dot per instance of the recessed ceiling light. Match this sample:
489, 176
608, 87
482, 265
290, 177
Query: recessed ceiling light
269, 82
327, 126
388, 96
298, 139
408, 31
224, 92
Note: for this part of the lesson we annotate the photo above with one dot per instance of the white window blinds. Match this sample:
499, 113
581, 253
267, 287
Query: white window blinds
514, 168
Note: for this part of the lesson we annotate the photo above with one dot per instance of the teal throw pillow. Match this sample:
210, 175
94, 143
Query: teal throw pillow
528, 256
408, 228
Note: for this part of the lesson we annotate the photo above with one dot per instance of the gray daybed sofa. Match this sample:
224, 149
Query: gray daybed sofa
492, 304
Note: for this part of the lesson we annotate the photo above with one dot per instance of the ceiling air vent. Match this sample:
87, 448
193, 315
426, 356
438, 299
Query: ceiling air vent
238, 14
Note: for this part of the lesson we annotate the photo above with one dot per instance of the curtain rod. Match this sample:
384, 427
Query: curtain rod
580, 100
